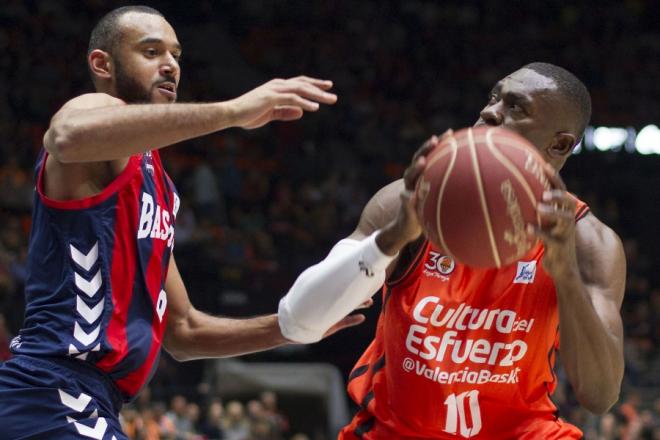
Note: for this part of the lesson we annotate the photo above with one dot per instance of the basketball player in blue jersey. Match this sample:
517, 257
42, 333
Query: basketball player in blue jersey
103, 291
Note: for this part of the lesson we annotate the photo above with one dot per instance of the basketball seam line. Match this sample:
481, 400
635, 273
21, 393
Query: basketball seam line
482, 198
441, 193
515, 171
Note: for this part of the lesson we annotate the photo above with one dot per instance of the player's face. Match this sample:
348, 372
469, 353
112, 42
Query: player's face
528, 103
147, 60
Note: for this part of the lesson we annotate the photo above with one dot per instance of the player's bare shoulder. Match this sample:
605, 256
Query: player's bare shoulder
70, 181
381, 209
92, 100
593, 234
57, 130
600, 254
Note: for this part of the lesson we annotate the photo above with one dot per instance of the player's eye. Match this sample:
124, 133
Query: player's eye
151, 52
492, 98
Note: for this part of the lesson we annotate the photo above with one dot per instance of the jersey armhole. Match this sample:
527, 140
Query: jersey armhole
582, 213
87, 202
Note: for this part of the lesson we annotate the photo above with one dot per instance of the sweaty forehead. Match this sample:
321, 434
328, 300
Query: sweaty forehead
136, 26
528, 82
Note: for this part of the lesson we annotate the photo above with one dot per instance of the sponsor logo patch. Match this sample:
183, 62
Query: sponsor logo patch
525, 273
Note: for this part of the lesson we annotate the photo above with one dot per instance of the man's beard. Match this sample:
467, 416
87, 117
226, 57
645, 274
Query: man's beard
128, 88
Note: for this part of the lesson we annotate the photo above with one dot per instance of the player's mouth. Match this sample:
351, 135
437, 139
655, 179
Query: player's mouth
167, 89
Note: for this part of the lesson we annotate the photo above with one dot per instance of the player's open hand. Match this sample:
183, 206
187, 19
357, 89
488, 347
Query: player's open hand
557, 230
280, 100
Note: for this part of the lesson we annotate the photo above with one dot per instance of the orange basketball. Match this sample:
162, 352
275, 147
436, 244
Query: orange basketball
479, 190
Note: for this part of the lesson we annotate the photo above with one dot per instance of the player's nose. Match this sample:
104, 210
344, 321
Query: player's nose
169, 67
490, 116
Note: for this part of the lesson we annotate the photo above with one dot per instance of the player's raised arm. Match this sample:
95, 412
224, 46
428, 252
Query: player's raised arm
98, 127
588, 266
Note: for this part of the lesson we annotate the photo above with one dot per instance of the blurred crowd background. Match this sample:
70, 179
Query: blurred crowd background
260, 206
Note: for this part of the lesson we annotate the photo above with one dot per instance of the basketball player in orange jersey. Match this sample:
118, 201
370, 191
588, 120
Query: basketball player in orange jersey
469, 353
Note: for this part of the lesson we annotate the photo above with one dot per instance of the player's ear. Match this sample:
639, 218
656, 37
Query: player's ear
562, 145
100, 63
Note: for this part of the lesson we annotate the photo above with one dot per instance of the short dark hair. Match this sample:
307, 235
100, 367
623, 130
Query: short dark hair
106, 35
572, 90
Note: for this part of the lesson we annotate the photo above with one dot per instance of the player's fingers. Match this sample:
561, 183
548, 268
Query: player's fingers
560, 199
293, 100
426, 148
324, 84
412, 173
365, 305
554, 212
556, 223
418, 163
349, 321
307, 91
449, 132
543, 235
287, 113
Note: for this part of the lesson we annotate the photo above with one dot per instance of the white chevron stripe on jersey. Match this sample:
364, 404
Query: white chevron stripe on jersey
85, 261
97, 432
73, 349
83, 337
78, 404
93, 415
89, 287
83, 357
90, 314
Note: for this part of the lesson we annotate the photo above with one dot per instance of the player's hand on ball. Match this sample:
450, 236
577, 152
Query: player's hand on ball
280, 100
406, 226
557, 230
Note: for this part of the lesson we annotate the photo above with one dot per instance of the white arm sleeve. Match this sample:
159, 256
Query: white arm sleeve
328, 291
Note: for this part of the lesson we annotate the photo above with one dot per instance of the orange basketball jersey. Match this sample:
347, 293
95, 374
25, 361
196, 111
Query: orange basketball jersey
462, 353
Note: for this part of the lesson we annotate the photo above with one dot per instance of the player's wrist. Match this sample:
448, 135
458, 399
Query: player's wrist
391, 239
229, 113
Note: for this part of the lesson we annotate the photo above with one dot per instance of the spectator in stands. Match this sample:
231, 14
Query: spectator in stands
212, 427
235, 423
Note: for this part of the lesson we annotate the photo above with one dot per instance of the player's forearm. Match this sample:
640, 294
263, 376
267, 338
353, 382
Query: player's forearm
591, 355
204, 336
328, 291
114, 132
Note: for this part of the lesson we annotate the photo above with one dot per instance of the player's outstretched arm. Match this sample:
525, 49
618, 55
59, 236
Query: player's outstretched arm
357, 266
588, 266
192, 334
97, 127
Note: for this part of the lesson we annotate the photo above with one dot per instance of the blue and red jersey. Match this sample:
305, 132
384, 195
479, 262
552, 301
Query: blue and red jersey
96, 274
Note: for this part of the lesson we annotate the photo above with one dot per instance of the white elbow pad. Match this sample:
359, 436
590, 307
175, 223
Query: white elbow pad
328, 291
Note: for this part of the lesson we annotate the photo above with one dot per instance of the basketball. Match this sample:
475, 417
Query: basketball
477, 193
